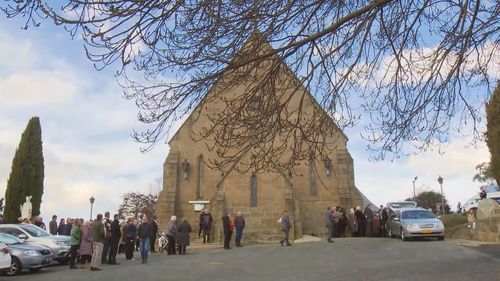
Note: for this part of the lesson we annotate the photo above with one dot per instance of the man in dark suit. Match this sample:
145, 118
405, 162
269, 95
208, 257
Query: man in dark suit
154, 231
115, 239
206, 225
285, 227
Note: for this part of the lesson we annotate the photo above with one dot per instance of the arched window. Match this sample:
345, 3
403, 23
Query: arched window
312, 177
253, 191
200, 186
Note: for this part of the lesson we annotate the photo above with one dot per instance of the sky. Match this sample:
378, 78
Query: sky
86, 128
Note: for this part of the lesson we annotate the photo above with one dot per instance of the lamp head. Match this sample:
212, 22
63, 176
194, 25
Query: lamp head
440, 180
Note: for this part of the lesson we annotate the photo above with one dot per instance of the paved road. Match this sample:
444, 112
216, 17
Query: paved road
346, 259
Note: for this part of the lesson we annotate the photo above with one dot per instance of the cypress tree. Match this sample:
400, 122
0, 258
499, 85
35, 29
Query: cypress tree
27, 174
493, 132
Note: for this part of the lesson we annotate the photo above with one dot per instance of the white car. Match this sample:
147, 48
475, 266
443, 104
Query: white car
5, 259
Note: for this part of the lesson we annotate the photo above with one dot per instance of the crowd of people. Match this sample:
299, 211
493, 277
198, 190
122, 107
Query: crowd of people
100, 240
358, 223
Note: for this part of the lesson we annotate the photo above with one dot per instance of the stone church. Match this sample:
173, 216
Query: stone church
190, 184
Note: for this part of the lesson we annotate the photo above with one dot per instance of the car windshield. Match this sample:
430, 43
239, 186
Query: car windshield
399, 205
34, 230
418, 214
9, 239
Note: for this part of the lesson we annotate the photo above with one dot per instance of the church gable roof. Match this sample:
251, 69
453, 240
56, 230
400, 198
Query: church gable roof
255, 49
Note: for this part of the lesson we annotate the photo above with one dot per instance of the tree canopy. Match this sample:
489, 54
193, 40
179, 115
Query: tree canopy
405, 65
27, 174
484, 174
429, 200
493, 133
136, 204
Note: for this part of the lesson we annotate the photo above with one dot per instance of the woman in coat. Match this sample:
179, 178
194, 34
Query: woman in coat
183, 230
85, 244
74, 242
361, 220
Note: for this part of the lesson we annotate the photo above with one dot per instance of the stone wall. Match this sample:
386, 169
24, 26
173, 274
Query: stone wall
488, 221
305, 193
486, 227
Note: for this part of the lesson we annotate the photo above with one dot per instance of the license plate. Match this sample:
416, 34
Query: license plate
426, 231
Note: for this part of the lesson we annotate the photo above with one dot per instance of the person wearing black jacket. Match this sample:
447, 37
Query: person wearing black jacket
144, 233
130, 235
228, 230
384, 217
206, 225
62, 227
107, 237
154, 231
115, 239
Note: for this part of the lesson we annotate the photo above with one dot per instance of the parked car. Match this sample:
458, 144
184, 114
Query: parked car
58, 244
409, 223
26, 255
5, 258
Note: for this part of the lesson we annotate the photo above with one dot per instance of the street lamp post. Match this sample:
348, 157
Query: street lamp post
92, 199
440, 180
414, 194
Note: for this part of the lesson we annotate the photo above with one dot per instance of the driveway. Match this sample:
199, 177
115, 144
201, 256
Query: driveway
346, 259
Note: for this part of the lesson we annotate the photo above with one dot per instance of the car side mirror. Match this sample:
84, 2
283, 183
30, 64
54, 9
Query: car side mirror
22, 236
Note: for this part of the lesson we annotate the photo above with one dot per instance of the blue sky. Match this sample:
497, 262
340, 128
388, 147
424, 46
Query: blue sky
86, 127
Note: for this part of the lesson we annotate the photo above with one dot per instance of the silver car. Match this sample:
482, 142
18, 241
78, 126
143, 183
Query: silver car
5, 258
410, 223
59, 245
26, 256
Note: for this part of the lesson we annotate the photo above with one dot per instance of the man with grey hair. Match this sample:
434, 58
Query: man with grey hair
171, 231
239, 224
329, 223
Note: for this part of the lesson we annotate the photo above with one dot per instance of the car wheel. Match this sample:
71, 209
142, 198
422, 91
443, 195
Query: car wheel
15, 267
441, 238
403, 237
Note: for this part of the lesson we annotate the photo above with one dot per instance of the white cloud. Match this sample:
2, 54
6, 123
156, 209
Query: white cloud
86, 126
37, 87
418, 65
15, 53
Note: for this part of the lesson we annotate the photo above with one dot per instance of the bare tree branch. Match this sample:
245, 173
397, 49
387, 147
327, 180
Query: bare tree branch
410, 66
